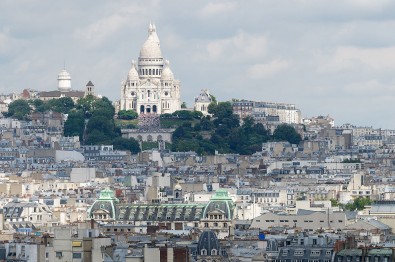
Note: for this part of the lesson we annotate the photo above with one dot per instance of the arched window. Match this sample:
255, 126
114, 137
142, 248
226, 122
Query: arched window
149, 72
206, 224
149, 92
157, 72
213, 252
203, 252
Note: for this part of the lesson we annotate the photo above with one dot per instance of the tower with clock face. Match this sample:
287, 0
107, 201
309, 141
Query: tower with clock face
150, 86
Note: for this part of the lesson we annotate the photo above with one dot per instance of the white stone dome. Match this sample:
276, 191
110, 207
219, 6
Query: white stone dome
133, 74
177, 187
167, 74
64, 81
151, 47
64, 75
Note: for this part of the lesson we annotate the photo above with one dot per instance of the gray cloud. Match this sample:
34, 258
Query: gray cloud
327, 57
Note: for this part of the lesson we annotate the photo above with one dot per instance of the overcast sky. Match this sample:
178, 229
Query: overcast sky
332, 58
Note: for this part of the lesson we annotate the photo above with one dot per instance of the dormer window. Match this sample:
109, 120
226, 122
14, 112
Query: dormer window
203, 252
213, 252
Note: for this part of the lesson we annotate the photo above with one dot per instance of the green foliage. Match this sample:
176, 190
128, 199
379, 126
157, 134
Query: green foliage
359, 204
286, 132
61, 105
184, 105
103, 107
75, 124
19, 109
221, 110
39, 105
85, 104
334, 202
100, 130
127, 114
130, 144
186, 114
225, 134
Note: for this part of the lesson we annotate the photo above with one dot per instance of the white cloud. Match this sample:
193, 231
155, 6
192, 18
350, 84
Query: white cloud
369, 4
372, 88
100, 30
217, 8
267, 70
349, 58
3, 42
238, 47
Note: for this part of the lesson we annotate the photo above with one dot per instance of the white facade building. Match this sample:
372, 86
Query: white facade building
150, 86
202, 102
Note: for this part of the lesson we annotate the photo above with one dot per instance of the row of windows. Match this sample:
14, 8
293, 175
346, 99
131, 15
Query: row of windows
151, 72
296, 221
215, 224
302, 260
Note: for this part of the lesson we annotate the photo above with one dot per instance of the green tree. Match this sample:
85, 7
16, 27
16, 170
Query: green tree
184, 105
85, 104
20, 109
39, 105
127, 114
359, 204
183, 114
221, 110
286, 132
100, 130
75, 124
103, 107
130, 144
61, 105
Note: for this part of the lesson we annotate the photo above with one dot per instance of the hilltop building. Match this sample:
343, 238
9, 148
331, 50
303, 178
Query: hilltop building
64, 89
202, 102
150, 86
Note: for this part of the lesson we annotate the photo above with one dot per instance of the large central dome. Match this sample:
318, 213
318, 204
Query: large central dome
151, 47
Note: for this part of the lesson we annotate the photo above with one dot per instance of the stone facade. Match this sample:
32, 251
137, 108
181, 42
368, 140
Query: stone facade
150, 86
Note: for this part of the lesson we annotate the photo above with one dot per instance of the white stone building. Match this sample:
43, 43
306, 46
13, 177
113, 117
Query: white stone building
150, 86
202, 102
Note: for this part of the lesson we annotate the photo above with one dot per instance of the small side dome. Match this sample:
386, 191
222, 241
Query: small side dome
167, 74
133, 74
177, 187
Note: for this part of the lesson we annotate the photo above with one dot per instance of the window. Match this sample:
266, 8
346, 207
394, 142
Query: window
205, 224
213, 252
77, 255
58, 254
203, 252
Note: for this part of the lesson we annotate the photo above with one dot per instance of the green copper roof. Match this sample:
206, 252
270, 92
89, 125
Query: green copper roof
108, 194
221, 194
220, 201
